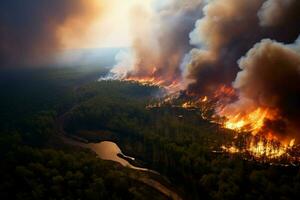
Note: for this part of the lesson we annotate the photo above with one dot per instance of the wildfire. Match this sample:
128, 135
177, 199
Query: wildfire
152, 81
232, 149
189, 105
252, 122
262, 148
246, 120
146, 81
263, 144
204, 99
267, 148
253, 140
224, 92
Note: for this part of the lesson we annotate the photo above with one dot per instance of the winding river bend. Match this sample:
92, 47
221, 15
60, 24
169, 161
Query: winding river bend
107, 150
110, 151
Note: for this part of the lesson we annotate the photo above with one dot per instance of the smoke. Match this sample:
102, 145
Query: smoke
227, 30
160, 40
280, 13
270, 79
192, 42
281, 18
32, 29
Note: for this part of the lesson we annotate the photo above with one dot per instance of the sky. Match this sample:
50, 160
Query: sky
32, 31
110, 29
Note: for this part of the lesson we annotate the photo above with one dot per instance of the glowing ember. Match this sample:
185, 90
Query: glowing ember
292, 143
204, 99
189, 105
231, 149
186, 105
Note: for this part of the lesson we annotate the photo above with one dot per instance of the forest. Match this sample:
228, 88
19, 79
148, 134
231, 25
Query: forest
35, 163
177, 143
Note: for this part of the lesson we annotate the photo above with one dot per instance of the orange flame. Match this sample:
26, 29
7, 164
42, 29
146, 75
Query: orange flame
251, 122
204, 99
224, 91
263, 148
153, 81
266, 148
232, 149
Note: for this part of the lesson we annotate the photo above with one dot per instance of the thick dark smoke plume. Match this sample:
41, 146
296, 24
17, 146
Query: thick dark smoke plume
224, 34
284, 13
228, 30
29, 29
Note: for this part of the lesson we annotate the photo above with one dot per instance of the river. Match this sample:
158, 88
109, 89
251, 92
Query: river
107, 150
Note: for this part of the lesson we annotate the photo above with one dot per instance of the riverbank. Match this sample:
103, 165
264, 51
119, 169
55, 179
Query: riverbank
108, 150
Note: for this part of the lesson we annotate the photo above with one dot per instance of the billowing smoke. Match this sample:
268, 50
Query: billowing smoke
280, 13
268, 87
228, 30
281, 19
160, 41
224, 32
270, 79
31, 29
197, 44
